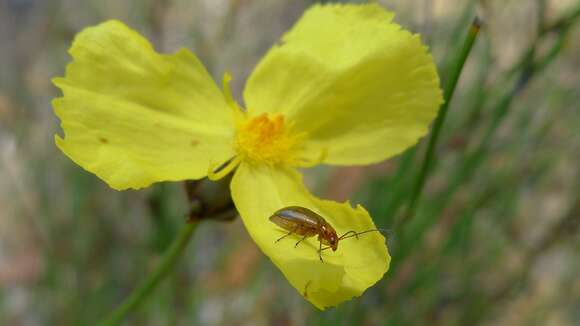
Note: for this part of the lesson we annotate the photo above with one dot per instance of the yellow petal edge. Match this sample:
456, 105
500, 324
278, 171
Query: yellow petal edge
348, 272
359, 85
133, 116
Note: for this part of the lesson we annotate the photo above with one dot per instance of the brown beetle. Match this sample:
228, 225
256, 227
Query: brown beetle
302, 221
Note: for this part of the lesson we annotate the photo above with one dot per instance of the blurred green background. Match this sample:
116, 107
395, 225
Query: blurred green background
495, 238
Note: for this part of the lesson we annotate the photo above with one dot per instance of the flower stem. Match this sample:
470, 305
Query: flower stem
166, 264
449, 90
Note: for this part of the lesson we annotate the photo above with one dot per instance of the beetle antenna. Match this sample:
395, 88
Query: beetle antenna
351, 234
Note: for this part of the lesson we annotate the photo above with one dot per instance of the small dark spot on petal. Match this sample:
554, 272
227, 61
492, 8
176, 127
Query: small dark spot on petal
194, 142
306, 289
103, 140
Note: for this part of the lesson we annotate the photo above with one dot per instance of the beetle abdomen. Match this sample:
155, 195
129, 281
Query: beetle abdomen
297, 219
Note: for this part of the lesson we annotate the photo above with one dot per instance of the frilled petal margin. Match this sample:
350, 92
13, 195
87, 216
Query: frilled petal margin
363, 88
133, 116
258, 191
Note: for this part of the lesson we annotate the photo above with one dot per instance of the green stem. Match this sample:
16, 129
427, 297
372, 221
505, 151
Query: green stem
449, 90
167, 263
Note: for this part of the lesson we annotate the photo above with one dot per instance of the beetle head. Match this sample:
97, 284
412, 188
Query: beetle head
331, 238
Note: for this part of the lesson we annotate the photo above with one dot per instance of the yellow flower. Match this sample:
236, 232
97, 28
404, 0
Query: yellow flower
346, 86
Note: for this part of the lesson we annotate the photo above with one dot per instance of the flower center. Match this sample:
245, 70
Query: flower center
267, 139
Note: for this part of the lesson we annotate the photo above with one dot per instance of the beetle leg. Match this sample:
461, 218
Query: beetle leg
287, 234
284, 236
303, 238
320, 251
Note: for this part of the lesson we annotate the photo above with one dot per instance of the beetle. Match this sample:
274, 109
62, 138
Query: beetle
303, 221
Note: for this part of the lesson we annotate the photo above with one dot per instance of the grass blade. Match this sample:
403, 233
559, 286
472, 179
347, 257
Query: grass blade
449, 90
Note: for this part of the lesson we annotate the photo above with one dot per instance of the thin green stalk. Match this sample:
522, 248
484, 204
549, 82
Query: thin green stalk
563, 23
387, 192
527, 69
449, 90
565, 228
167, 263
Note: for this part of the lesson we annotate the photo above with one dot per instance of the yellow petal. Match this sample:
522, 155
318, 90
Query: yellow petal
133, 116
362, 88
260, 190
